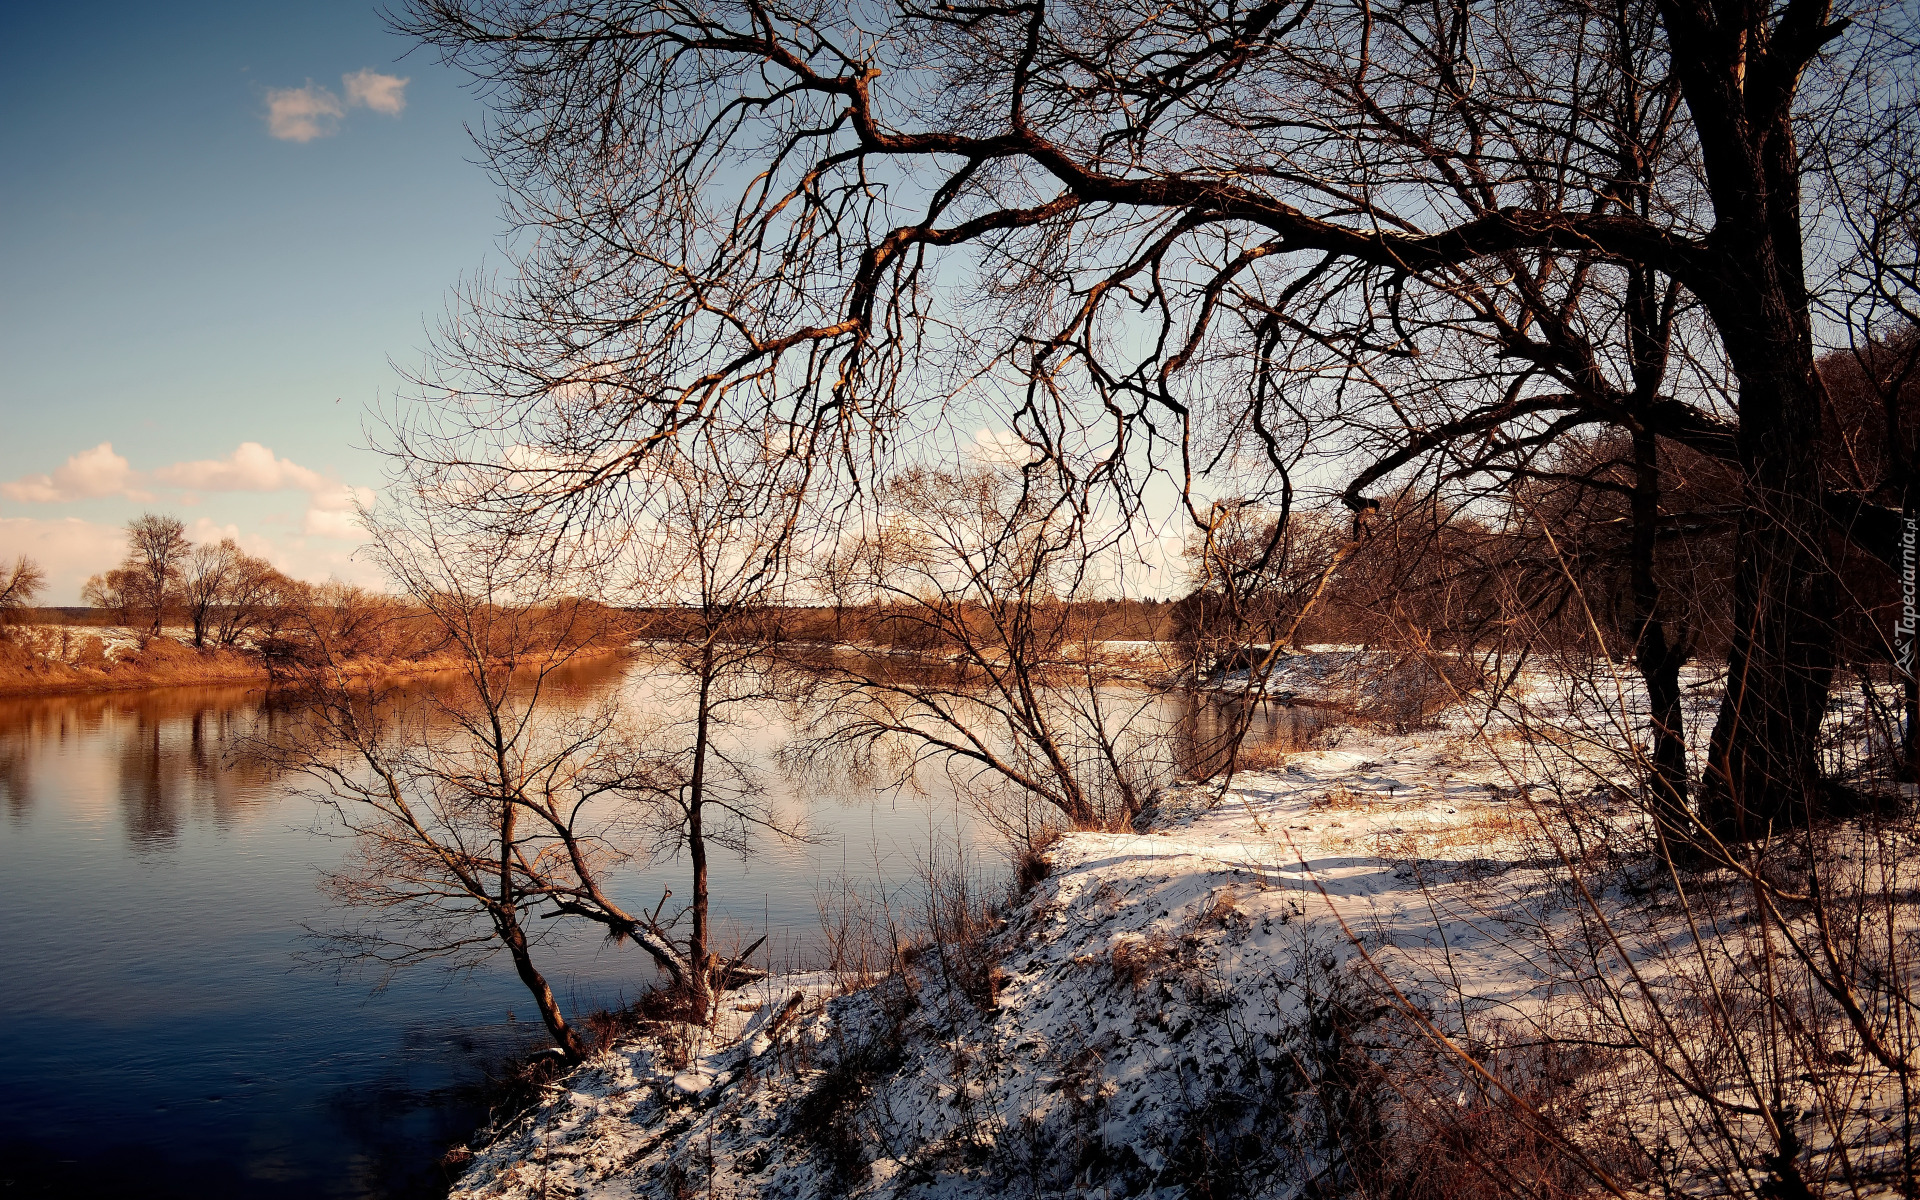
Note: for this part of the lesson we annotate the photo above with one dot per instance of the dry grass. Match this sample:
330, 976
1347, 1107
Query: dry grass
1220, 911
37, 660
1137, 959
1341, 798
1264, 758
53, 660
1031, 861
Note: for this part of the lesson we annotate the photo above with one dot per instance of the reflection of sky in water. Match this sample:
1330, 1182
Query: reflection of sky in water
160, 1036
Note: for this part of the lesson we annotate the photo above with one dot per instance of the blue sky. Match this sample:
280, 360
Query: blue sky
222, 228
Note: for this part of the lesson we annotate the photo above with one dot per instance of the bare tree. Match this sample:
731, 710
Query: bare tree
711, 559
1201, 225
147, 580
1873, 382
976, 575
156, 548
480, 808
1619, 544
19, 585
227, 592
258, 600
209, 572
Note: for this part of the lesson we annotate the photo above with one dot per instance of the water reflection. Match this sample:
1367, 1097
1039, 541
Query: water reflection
160, 1039
1203, 727
165, 750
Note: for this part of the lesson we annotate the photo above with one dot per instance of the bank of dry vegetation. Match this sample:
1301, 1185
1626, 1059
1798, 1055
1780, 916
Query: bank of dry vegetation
174, 613
355, 631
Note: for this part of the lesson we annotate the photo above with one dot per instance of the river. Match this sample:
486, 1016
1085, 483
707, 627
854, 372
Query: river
166, 1033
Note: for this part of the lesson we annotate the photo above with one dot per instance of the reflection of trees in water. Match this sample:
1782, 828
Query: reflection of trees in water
1159, 736
179, 765
15, 784
149, 805
174, 761
170, 752
1203, 726
173, 751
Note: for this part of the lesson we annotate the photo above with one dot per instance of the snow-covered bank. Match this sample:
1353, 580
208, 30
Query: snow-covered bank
1173, 1012
1147, 978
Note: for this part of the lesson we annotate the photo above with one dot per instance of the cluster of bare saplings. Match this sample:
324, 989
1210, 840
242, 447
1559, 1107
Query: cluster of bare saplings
1598, 320
225, 596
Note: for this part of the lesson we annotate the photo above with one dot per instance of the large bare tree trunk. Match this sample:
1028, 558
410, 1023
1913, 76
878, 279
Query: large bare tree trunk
1740, 85
1762, 766
507, 926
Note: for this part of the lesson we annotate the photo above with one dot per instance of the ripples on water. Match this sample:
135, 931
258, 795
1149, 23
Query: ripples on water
161, 1040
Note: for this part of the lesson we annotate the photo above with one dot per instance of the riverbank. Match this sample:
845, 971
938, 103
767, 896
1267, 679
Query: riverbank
56, 660
40, 660
1244, 998
1136, 1012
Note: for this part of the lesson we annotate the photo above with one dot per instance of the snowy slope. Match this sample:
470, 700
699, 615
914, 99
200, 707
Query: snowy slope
1150, 977
1169, 1005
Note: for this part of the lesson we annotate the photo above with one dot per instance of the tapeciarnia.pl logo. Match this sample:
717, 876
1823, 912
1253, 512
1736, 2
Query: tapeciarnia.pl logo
1903, 629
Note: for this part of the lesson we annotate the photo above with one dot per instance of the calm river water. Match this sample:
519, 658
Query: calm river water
162, 1035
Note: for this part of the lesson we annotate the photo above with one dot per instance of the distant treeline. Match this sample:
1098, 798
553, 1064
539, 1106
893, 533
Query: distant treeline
902, 626
244, 620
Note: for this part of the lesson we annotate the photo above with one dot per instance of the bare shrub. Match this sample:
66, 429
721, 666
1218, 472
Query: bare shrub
1031, 862
1410, 689
959, 920
863, 940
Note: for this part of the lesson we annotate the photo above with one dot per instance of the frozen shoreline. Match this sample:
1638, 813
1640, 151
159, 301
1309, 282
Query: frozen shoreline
1147, 971
1165, 1007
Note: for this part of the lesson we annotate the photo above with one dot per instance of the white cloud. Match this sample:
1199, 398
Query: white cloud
381, 93
205, 530
332, 523
332, 506
90, 473
1001, 447
250, 468
341, 497
335, 513
304, 113
68, 549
